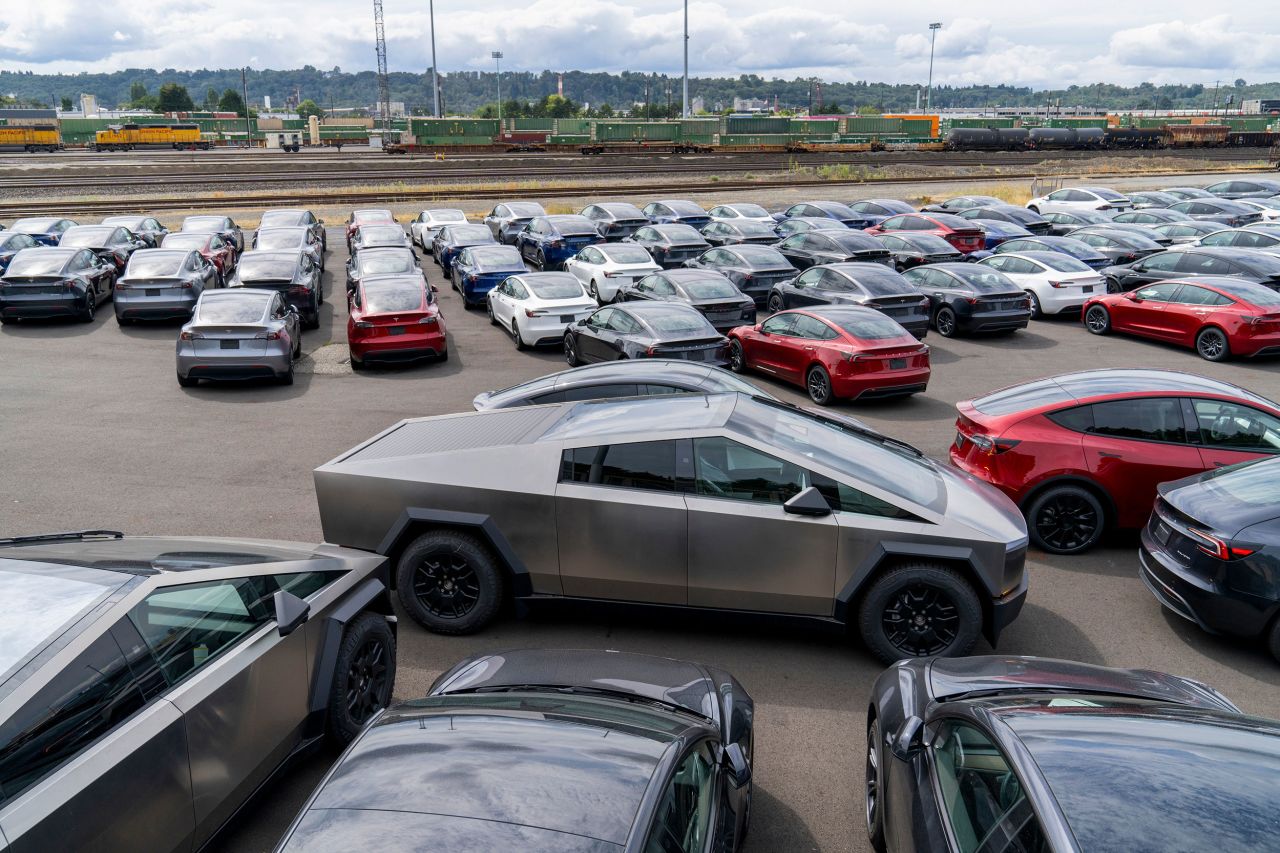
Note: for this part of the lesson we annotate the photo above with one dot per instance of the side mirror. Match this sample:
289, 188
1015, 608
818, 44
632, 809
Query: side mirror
292, 309
762, 330
435, 289
1132, 296
736, 763
908, 740
582, 322
810, 502
291, 611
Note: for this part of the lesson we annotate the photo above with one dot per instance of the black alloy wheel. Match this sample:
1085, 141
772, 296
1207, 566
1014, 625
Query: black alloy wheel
1036, 312
737, 358
488, 310
945, 322
1113, 285
90, 306
571, 351
446, 585
1097, 320
921, 620
449, 582
1211, 344
775, 303
1066, 520
872, 790
818, 384
515, 335
366, 676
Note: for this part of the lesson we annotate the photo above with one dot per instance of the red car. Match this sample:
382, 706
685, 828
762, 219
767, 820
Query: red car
368, 216
961, 233
836, 353
1218, 316
1083, 452
211, 246
395, 318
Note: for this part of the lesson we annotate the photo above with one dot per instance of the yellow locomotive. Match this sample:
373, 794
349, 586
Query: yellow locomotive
126, 137
30, 138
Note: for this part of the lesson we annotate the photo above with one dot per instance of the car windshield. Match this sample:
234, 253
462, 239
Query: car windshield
680, 234
203, 223
762, 257
526, 208
155, 264
281, 238
886, 283
280, 218
382, 234
750, 210
873, 326
185, 241
566, 287
87, 236
1062, 262
897, 472
470, 233
384, 297
232, 307
710, 288
930, 243
36, 262
685, 208
385, 262
669, 321
497, 258
259, 268
622, 254
985, 281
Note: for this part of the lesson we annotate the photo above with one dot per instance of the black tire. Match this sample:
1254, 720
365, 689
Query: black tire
945, 322
873, 792
818, 383
1212, 344
1037, 313
123, 321
453, 281
515, 335
1098, 319
488, 309
363, 678
449, 583
1065, 520
593, 291
775, 303
1113, 285
571, 351
896, 619
542, 260
90, 308
187, 381
287, 377
356, 364
737, 358
1273, 639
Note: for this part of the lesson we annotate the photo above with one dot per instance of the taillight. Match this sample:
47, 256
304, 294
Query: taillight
267, 336
299, 290
190, 336
363, 325
1059, 283
535, 312
651, 351
121, 285
186, 285
1105, 207
69, 284
992, 446
429, 320
1219, 548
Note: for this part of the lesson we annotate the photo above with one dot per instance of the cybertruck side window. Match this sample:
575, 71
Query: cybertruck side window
641, 465
727, 469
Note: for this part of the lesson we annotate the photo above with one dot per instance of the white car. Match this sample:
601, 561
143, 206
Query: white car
535, 308
740, 212
1259, 239
1268, 207
603, 268
423, 228
1055, 281
1081, 198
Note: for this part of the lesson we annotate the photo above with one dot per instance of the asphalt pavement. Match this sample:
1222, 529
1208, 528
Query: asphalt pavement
95, 432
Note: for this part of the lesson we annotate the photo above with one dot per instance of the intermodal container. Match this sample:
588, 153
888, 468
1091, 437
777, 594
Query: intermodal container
917, 129
515, 125
441, 127
733, 140
739, 125
573, 126
445, 141
638, 131
872, 124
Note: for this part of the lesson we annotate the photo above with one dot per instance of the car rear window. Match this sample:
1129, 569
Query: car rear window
1259, 262
279, 218
959, 223
711, 288
497, 257
928, 243
856, 241
87, 235
680, 233
885, 283
752, 228
1062, 262
623, 254
385, 262
374, 216
383, 234
37, 262
572, 224
185, 241
203, 223
447, 215
526, 209
383, 297
1255, 294
33, 226
256, 268
750, 210
685, 208
470, 233
1019, 398
232, 308
159, 263
1110, 195
867, 327
281, 238
558, 288
673, 322
761, 257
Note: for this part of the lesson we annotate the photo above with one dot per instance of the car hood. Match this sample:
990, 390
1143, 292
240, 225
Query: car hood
982, 507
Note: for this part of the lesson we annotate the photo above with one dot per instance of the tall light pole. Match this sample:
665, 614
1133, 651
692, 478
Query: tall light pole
684, 111
933, 36
497, 60
435, 83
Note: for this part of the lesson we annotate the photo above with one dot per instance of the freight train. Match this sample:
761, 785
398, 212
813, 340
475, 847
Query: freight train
127, 137
1113, 138
29, 138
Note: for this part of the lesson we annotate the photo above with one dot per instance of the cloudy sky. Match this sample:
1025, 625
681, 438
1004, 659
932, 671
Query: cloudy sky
1030, 44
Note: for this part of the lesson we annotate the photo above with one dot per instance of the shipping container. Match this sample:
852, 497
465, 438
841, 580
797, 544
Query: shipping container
1198, 135
820, 127
1078, 122
573, 126
568, 138
515, 125
929, 129
443, 127
733, 140
452, 141
872, 124
739, 125
617, 131
989, 122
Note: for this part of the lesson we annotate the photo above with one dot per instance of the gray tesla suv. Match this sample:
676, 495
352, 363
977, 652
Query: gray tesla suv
239, 333
724, 502
148, 686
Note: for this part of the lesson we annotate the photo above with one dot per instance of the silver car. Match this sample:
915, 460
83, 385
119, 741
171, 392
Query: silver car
239, 333
717, 502
149, 685
298, 238
162, 284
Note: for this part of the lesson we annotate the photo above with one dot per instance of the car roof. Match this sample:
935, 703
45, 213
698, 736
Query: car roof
274, 254
1087, 385
65, 251
686, 274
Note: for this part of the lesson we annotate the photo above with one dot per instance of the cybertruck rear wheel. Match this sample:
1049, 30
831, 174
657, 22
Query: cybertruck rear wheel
918, 610
449, 583
363, 677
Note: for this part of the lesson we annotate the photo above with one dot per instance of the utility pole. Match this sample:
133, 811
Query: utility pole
244, 89
684, 111
1215, 96
435, 82
380, 46
933, 37
497, 61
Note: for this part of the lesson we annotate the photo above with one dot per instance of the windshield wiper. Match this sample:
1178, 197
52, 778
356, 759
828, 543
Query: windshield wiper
865, 432
58, 537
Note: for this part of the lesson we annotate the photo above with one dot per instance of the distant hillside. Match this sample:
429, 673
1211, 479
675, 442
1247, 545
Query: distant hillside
467, 91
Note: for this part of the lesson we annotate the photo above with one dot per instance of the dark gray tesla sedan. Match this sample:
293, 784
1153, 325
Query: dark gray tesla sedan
148, 686
646, 330
546, 751
628, 378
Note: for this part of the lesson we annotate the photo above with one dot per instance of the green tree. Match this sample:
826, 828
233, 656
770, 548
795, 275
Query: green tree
174, 98
66, 104
211, 99
309, 108
605, 110
231, 102
137, 91
1240, 84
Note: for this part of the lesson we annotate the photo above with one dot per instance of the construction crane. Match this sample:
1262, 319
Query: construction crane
384, 85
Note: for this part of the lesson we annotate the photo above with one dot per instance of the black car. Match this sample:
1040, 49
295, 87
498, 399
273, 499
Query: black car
628, 378
1152, 199
671, 211
1063, 222
645, 330
731, 232
12, 242
1186, 232
393, 261
873, 285
1230, 213
292, 274
380, 235
507, 220
670, 245
1195, 263
1121, 247
754, 269
1034, 755
831, 247
546, 750
452, 239
959, 203
146, 227
1244, 188
804, 224
50, 281
969, 298
614, 219
1184, 193
1077, 249
711, 293
841, 213
112, 243
1210, 550
911, 250
1258, 239
1151, 216
880, 209
292, 218
1030, 220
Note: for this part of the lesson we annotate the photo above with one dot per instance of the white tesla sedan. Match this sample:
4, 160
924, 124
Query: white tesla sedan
740, 213
603, 268
1081, 198
536, 307
1268, 207
1055, 281
424, 227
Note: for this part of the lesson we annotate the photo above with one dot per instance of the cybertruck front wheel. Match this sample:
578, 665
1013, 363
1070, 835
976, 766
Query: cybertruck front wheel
449, 582
363, 677
919, 610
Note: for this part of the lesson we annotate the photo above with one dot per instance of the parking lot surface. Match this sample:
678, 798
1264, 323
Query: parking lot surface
95, 432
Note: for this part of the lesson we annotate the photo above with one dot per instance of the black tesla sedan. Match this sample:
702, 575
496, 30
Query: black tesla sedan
970, 298
873, 285
733, 232
711, 293
841, 213
1033, 755
754, 269
1028, 219
829, 247
670, 245
1211, 547
1063, 222
1193, 263
645, 330
614, 219
627, 378
1121, 247
911, 250
539, 750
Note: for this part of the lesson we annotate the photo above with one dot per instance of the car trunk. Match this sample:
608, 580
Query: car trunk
393, 324
229, 340
966, 240
991, 303
693, 349
721, 311
904, 309
579, 241
1037, 228
684, 251
900, 354
28, 285
154, 286
624, 227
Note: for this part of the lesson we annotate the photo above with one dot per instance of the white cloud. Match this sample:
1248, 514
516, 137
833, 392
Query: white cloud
961, 38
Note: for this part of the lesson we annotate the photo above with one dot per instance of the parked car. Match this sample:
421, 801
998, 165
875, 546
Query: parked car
291, 274
425, 226
1049, 756
537, 308
711, 293
1184, 193
111, 243
753, 269
831, 247
1063, 222
1230, 213
841, 213
367, 216
871, 285
1208, 548
670, 245
802, 224
614, 219
660, 750
1070, 246
1151, 216
645, 330
288, 217
604, 267
1268, 207
1152, 199
969, 298
478, 269
908, 250
731, 232
395, 319
1238, 188
295, 238
1055, 282
1082, 452
961, 233
239, 333
146, 227
49, 281
959, 203
1121, 247
738, 212
769, 484
549, 241
12, 242
381, 236
1194, 263
676, 211
175, 674
45, 230
845, 352
1081, 198
1266, 241
452, 239
995, 232
1219, 317
224, 226
162, 284
506, 220
1146, 232
630, 378
880, 209
1010, 213
380, 262
1185, 232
